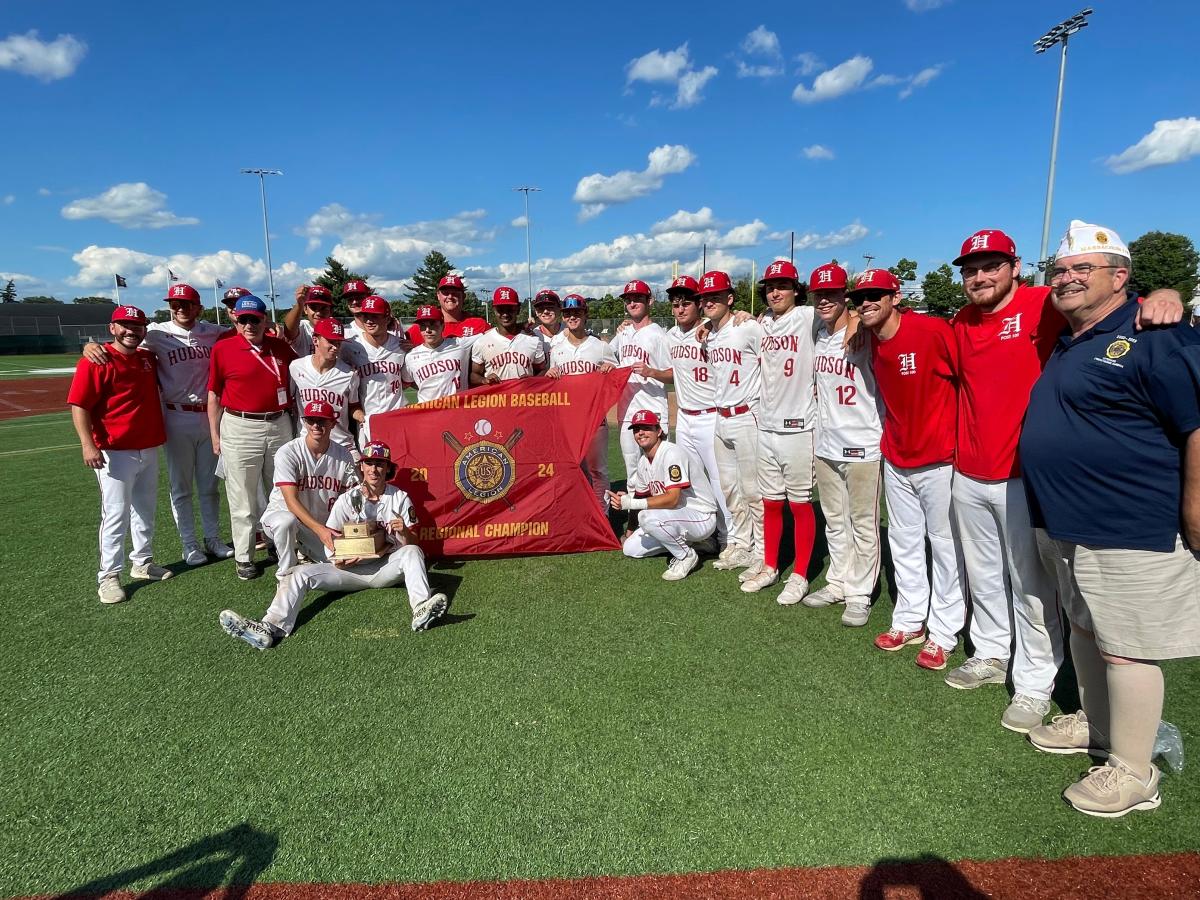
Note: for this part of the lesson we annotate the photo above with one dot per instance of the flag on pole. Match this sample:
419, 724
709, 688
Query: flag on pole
172, 275
120, 281
220, 284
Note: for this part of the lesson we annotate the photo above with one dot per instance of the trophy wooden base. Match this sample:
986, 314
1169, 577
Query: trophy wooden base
360, 540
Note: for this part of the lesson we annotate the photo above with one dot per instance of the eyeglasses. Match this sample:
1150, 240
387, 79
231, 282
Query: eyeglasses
572, 314
991, 268
248, 320
1081, 271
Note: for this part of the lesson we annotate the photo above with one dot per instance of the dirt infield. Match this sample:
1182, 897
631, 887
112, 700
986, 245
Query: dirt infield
1166, 875
32, 396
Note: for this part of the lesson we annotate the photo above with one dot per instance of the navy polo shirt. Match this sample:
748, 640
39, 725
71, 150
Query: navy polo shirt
1103, 440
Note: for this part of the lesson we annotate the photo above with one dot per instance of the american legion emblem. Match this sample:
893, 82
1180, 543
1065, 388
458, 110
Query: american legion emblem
484, 470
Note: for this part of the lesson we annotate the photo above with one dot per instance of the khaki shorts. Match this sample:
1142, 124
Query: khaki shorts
1140, 604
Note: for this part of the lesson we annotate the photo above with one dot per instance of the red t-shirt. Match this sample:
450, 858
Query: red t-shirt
915, 372
465, 328
248, 381
1000, 356
122, 397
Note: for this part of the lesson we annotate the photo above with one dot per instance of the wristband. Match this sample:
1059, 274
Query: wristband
634, 503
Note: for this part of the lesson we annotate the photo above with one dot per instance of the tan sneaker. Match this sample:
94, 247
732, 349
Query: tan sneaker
1113, 790
110, 590
150, 572
793, 592
755, 569
764, 579
1068, 734
738, 558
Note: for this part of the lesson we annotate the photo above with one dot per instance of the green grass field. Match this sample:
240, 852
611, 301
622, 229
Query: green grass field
28, 366
575, 715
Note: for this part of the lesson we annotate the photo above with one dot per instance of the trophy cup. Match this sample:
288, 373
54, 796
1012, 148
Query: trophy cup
359, 540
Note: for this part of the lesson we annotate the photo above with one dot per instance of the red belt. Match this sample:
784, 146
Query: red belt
728, 412
258, 417
698, 412
189, 407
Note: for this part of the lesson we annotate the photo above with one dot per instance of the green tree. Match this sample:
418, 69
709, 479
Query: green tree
10, 292
607, 307
162, 315
335, 277
425, 280
473, 305
905, 269
38, 299
96, 300
1164, 260
943, 295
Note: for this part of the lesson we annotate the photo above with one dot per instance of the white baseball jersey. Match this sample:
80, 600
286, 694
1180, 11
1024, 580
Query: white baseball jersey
694, 388
338, 386
303, 344
318, 480
786, 360
438, 371
848, 408
577, 359
647, 345
394, 504
380, 373
673, 468
508, 357
733, 361
183, 357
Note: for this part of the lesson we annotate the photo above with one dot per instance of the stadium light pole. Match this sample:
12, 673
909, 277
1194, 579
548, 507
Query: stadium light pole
1059, 34
525, 189
262, 184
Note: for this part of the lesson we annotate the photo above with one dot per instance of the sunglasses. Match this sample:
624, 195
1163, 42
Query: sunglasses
318, 423
376, 463
248, 320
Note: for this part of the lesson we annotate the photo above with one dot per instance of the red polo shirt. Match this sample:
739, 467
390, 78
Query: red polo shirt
249, 380
465, 328
122, 397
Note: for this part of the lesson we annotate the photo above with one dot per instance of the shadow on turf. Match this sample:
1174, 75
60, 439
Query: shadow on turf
233, 859
929, 876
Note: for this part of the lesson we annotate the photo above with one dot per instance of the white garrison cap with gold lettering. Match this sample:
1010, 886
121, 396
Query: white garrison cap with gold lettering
1083, 238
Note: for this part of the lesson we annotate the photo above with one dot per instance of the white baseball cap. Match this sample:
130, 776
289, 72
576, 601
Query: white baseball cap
1083, 238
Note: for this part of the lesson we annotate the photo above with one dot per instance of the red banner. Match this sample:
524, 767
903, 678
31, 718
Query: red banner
494, 471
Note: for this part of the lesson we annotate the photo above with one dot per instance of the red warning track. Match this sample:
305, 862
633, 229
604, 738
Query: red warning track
32, 396
1165, 875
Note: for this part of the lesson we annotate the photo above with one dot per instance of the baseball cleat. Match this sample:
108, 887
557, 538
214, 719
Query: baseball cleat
194, 556
678, 569
931, 656
856, 613
821, 598
976, 672
1068, 734
1024, 713
738, 558
429, 612
752, 571
1112, 790
149, 571
218, 548
764, 579
892, 639
794, 591
258, 635
110, 590
247, 571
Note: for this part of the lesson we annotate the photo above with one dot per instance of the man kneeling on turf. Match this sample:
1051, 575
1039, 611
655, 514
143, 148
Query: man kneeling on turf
403, 560
676, 510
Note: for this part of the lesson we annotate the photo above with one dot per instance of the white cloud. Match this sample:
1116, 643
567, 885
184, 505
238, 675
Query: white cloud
1171, 141
841, 79
670, 67
27, 54
765, 44
597, 192
921, 79
97, 265
685, 221
519, 222
812, 240
808, 63
130, 205
920, 6
9, 199
44, 192
690, 86
818, 151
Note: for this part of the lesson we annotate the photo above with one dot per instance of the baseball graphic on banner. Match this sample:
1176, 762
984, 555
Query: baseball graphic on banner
483, 428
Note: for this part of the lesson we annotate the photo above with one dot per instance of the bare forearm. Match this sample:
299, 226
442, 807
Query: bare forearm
1191, 491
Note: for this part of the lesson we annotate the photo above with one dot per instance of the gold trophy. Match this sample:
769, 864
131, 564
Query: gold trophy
359, 540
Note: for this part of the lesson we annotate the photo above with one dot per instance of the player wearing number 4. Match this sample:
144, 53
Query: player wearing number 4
671, 491
403, 561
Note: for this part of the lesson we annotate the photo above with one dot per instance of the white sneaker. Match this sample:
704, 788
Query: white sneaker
194, 556
822, 598
856, 613
764, 579
755, 569
150, 572
794, 591
678, 569
110, 590
218, 548
429, 612
737, 559
258, 635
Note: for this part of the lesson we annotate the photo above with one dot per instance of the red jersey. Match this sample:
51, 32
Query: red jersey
915, 373
122, 397
1000, 356
250, 381
465, 328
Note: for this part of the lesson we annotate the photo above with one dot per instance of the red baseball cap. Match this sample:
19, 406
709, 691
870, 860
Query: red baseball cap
318, 409
546, 296
377, 450
876, 280
636, 288
129, 314
318, 296
780, 269
989, 240
505, 296
374, 304
183, 292
452, 281
714, 283
645, 417
430, 314
352, 288
233, 295
828, 277
684, 283
330, 329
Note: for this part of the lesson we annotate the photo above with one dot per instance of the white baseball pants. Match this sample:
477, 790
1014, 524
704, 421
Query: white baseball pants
736, 448
190, 458
669, 530
406, 564
284, 529
849, 494
697, 436
248, 452
1012, 593
918, 502
785, 465
595, 466
128, 500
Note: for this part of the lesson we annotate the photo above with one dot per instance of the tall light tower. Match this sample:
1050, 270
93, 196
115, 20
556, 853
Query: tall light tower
525, 189
1056, 35
262, 184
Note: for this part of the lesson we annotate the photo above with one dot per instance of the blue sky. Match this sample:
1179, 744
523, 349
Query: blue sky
894, 128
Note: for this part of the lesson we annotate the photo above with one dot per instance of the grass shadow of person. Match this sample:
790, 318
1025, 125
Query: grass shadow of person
927, 876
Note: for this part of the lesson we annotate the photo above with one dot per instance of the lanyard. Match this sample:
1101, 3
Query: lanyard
273, 368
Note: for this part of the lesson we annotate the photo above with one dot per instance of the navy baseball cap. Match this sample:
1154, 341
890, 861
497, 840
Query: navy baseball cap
250, 305
574, 301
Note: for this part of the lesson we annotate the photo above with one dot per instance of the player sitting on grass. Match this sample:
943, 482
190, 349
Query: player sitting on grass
676, 510
402, 560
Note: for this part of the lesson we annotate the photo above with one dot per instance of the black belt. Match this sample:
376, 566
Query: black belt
188, 407
257, 417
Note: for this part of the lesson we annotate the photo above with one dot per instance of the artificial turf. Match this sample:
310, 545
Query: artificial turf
574, 715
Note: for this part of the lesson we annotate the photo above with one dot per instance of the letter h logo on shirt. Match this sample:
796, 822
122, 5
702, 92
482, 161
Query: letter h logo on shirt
908, 363
1011, 327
